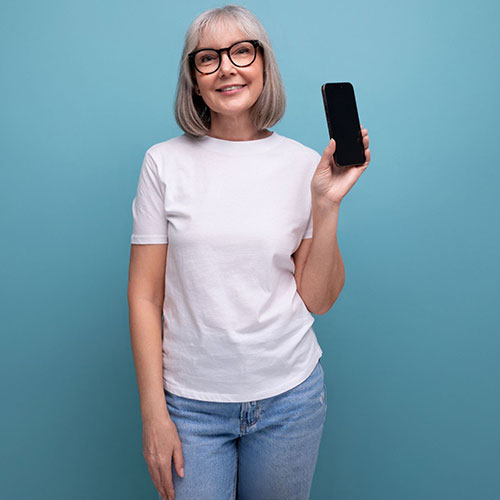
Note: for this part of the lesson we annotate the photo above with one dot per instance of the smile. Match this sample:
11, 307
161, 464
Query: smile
231, 90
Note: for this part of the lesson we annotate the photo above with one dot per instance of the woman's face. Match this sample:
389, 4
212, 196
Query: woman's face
252, 77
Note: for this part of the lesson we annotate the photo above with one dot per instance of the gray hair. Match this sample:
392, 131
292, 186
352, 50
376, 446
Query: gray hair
191, 113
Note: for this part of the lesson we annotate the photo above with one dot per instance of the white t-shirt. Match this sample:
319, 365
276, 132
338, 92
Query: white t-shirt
235, 328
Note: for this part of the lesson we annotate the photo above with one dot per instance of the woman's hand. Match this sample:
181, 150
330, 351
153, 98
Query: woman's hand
160, 442
330, 182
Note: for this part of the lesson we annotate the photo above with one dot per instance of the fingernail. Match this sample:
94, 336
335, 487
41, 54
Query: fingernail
182, 472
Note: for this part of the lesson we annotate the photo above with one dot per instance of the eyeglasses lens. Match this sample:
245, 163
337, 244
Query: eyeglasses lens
240, 54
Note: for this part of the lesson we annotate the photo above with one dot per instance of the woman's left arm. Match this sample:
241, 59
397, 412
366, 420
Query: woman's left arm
322, 276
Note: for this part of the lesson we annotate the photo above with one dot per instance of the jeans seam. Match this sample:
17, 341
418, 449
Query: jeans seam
235, 482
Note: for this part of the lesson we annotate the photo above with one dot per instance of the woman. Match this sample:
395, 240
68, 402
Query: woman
232, 393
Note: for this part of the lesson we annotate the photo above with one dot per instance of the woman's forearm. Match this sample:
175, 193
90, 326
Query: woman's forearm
145, 335
323, 275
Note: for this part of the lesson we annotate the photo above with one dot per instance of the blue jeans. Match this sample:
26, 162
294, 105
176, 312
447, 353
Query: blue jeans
265, 449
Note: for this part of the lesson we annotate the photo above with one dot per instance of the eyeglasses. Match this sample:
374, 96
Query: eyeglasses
241, 54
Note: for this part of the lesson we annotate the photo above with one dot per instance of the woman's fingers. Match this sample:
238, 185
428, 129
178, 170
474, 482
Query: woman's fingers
161, 473
159, 479
167, 485
178, 459
160, 440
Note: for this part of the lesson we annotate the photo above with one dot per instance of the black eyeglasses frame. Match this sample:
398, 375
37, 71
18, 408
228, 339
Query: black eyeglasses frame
255, 43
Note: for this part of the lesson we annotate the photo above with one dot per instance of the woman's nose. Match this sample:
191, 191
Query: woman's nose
225, 64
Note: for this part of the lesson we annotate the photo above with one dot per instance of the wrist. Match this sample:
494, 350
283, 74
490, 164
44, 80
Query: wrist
151, 418
325, 205
155, 412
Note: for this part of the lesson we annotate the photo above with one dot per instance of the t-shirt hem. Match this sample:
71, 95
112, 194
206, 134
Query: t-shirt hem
144, 240
237, 398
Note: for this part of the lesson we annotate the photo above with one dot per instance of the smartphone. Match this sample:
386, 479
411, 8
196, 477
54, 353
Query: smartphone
343, 123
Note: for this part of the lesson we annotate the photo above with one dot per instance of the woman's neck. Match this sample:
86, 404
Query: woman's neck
235, 129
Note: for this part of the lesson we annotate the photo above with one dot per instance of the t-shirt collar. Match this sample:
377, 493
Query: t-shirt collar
238, 147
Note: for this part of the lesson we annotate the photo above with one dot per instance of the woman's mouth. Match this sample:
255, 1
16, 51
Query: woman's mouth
231, 90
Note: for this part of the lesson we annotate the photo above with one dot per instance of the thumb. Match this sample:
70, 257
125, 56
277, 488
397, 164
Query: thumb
330, 149
327, 157
178, 460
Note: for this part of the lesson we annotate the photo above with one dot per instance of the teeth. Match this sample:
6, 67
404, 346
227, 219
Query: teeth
231, 88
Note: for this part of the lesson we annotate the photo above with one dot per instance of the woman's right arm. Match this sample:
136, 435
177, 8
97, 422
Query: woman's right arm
146, 290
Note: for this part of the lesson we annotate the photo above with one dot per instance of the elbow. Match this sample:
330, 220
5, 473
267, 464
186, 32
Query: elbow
314, 307
320, 311
323, 308
320, 305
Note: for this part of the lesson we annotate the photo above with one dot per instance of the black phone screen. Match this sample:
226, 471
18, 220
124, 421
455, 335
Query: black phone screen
343, 123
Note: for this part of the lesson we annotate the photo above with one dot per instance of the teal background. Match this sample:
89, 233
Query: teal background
411, 347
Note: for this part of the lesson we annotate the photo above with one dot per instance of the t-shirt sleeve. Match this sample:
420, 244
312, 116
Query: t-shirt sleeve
150, 223
309, 229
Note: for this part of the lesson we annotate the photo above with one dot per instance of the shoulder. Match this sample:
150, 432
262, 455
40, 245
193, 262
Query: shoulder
301, 151
162, 155
175, 145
